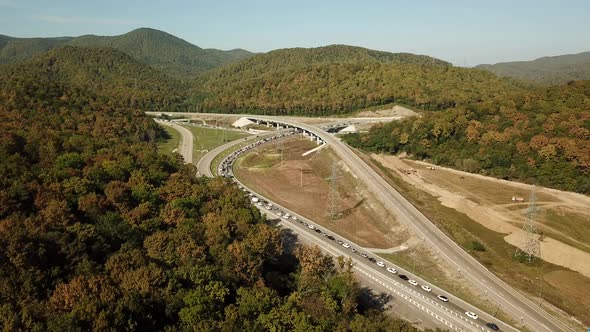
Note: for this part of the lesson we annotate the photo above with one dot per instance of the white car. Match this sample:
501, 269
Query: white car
381, 264
426, 288
268, 207
286, 216
294, 218
346, 245
260, 204
280, 214
310, 226
391, 270
413, 282
471, 315
443, 298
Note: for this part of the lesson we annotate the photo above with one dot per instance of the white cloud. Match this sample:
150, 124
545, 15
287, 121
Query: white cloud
83, 20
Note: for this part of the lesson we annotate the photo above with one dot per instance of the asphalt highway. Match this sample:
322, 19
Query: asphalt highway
509, 299
185, 147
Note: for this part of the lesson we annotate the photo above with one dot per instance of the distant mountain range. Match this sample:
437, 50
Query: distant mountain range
547, 70
156, 48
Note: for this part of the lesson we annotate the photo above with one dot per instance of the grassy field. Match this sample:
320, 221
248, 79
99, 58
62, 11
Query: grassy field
498, 255
208, 138
171, 143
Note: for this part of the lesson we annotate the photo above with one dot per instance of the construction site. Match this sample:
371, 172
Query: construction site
545, 230
307, 184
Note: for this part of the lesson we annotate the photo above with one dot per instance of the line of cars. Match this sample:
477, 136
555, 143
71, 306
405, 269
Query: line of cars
225, 167
225, 170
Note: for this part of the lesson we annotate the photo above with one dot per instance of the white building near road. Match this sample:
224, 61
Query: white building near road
242, 122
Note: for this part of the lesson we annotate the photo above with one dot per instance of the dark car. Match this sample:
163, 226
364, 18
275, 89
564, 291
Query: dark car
372, 259
404, 277
331, 237
317, 230
493, 326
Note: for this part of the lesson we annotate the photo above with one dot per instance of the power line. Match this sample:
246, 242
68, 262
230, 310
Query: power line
333, 195
531, 247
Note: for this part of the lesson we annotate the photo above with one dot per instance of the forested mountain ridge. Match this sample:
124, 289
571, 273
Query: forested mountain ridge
552, 70
16, 49
340, 79
158, 49
100, 232
540, 136
112, 77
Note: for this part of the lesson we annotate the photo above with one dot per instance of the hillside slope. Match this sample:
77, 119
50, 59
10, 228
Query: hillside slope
156, 48
540, 136
340, 79
102, 76
547, 70
16, 49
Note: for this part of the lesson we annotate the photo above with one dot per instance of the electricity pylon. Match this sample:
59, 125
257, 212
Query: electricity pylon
531, 247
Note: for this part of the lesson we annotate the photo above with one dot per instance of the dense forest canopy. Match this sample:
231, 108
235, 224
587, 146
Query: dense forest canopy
552, 70
108, 76
100, 232
542, 137
155, 48
341, 79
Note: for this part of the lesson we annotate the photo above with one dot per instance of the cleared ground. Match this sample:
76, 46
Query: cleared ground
362, 220
365, 224
558, 287
563, 218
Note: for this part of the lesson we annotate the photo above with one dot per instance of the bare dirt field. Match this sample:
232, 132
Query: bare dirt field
489, 202
363, 221
386, 112
463, 206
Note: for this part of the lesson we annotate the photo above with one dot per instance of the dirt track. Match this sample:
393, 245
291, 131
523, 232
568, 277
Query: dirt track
497, 217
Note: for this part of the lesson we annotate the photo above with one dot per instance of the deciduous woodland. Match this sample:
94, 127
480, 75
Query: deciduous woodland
100, 232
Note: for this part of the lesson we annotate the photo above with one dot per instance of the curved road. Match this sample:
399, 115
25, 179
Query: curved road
507, 297
421, 303
185, 147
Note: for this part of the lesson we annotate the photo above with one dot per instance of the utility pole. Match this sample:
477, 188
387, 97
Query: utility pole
531, 246
333, 195
301, 176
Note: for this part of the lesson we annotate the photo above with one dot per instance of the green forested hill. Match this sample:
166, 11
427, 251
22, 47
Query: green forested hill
156, 48
16, 49
164, 51
340, 79
540, 136
99, 232
553, 70
110, 76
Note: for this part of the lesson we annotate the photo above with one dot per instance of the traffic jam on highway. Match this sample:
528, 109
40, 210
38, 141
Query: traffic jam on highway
225, 169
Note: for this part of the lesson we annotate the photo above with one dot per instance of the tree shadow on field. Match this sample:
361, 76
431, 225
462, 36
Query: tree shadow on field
345, 213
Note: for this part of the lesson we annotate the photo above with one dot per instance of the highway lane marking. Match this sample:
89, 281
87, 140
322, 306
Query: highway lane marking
470, 322
378, 182
329, 248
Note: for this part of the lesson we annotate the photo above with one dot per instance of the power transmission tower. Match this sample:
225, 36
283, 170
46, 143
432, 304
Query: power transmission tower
279, 147
531, 246
333, 195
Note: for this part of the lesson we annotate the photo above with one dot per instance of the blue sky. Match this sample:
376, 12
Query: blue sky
463, 32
